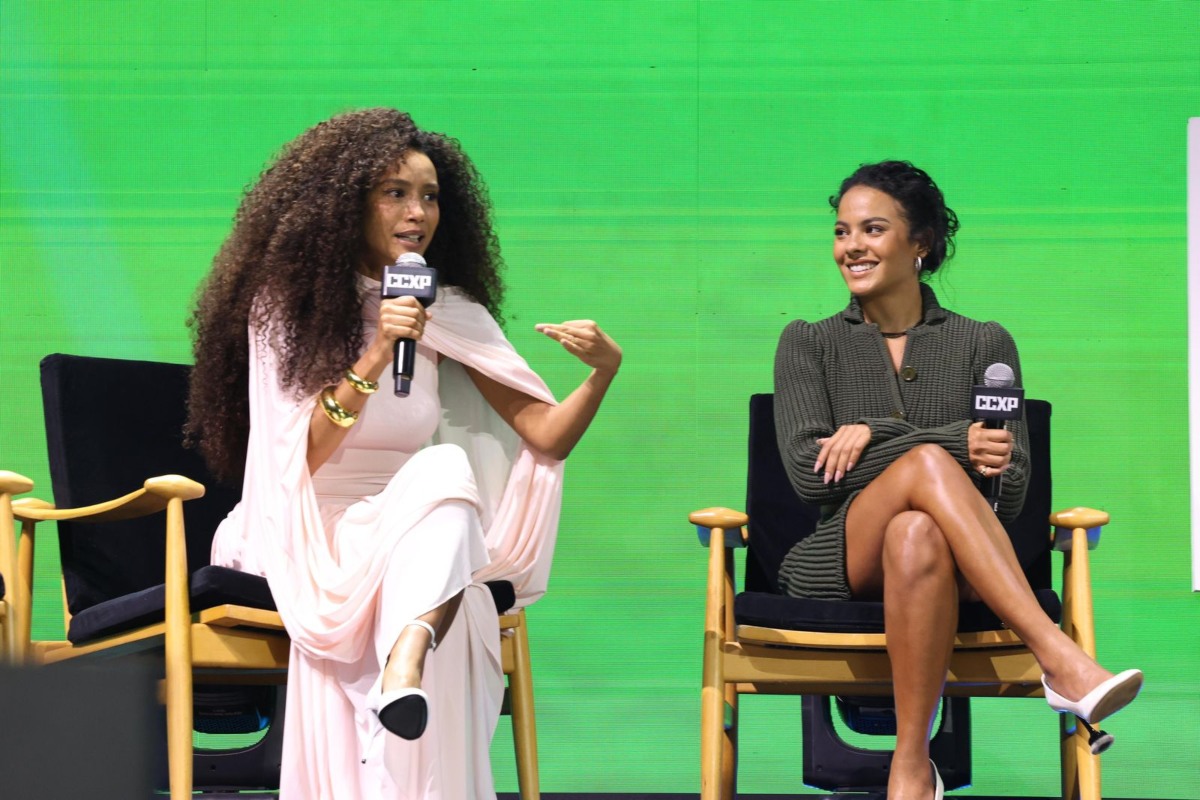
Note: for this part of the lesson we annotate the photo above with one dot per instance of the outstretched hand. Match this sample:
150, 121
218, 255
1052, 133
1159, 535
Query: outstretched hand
584, 339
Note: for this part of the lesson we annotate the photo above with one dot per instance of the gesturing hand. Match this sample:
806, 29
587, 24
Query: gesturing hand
584, 339
841, 451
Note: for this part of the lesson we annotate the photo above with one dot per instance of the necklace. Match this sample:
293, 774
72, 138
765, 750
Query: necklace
891, 335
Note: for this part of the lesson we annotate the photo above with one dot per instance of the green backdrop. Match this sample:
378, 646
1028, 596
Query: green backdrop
663, 168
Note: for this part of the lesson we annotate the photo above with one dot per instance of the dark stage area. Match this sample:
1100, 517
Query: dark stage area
856, 796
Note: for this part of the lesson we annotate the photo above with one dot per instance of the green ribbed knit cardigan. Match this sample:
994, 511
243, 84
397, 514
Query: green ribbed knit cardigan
838, 372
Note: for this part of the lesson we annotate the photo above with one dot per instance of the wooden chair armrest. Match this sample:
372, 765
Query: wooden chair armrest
152, 497
1080, 518
733, 523
34, 504
235, 616
161, 493
13, 483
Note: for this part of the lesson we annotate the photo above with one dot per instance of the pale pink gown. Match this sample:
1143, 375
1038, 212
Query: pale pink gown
427, 496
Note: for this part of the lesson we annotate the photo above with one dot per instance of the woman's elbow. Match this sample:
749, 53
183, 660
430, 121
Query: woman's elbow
558, 453
554, 447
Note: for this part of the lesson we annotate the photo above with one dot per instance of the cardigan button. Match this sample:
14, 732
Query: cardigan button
909, 374
898, 415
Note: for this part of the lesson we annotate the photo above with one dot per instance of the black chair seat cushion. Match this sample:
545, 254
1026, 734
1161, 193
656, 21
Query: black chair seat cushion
210, 586
854, 616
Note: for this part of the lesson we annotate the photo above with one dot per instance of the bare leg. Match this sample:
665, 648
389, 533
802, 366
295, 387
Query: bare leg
406, 661
928, 479
920, 601
894, 552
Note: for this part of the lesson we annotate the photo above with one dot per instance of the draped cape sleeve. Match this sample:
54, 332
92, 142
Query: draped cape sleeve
520, 488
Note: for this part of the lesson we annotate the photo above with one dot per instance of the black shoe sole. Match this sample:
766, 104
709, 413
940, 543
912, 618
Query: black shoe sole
406, 717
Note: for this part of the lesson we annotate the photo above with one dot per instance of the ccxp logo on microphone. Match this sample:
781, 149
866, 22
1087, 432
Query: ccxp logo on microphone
993, 403
989, 403
400, 280
408, 281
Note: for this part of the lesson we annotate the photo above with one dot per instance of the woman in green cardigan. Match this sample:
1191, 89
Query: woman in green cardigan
874, 426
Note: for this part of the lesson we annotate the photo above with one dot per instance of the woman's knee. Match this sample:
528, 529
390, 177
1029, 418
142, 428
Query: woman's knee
931, 459
914, 546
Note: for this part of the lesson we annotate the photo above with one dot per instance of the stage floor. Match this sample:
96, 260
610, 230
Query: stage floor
550, 795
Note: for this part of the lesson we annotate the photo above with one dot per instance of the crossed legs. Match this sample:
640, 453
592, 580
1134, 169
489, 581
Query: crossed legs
919, 536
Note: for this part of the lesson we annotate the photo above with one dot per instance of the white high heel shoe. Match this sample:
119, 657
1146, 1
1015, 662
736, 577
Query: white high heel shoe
939, 789
1105, 700
405, 712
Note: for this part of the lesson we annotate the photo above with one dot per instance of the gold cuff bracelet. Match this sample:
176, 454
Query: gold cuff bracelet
338, 414
360, 384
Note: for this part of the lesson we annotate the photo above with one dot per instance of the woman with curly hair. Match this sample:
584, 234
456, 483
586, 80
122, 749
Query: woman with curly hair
873, 426
376, 518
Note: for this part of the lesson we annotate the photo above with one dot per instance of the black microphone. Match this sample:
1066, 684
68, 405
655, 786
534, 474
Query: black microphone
995, 403
408, 277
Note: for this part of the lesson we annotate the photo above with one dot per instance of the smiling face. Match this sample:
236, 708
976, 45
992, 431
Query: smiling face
402, 213
871, 243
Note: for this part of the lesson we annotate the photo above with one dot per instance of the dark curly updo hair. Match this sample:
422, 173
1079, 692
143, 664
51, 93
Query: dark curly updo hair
930, 221
294, 254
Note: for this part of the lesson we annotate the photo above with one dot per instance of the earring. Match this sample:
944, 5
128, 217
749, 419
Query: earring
918, 264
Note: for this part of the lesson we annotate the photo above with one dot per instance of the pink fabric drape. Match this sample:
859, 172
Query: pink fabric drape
326, 576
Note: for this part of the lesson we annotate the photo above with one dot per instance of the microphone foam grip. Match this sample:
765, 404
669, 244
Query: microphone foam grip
999, 376
411, 259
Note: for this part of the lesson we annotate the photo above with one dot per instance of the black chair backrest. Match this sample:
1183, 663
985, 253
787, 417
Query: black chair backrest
779, 519
110, 425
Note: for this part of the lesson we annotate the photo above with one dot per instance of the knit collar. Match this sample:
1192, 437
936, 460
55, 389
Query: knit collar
931, 310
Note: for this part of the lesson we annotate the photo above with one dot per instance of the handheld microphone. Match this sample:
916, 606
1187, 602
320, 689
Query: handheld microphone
408, 277
995, 403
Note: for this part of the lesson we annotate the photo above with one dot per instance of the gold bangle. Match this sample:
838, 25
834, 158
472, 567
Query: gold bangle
360, 384
338, 414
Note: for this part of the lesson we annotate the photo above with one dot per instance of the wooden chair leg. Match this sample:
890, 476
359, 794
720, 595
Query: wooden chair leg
22, 597
1070, 765
712, 723
729, 745
178, 658
1080, 769
713, 740
179, 738
1082, 779
520, 690
6, 629
1087, 766
10, 483
730, 709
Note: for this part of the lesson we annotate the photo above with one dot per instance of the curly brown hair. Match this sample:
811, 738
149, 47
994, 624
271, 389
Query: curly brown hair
294, 253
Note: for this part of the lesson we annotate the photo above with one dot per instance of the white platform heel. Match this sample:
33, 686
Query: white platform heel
1105, 700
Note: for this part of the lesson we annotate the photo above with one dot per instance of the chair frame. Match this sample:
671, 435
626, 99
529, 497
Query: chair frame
744, 659
10, 483
224, 644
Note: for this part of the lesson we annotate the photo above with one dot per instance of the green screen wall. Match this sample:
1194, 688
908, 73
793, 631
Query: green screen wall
663, 168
